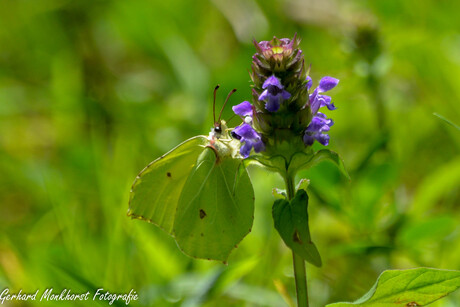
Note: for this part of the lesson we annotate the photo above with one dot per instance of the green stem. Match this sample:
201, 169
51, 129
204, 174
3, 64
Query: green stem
300, 280
300, 272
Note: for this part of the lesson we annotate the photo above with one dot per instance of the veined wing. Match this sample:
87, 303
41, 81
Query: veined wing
216, 207
156, 190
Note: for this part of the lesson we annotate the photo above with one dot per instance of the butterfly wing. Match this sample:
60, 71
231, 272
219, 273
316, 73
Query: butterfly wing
216, 207
157, 188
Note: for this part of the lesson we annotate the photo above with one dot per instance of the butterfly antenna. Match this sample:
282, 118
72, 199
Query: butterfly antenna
233, 116
214, 103
228, 97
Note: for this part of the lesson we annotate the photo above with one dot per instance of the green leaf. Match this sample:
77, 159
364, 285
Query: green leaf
447, 121
291, 221
303, 160
408, 288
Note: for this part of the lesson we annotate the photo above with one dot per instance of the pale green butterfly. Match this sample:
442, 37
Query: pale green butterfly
199, 192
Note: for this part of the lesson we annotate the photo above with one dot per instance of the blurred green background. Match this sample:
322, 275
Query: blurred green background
92, 91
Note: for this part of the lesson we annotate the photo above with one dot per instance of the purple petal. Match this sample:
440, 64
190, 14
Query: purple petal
324, 119
264, 95
319, 124
245, 131
243, 109
327, 100
273, 104
259, 146
327, 83
273, 90
264, 45
322, 138
308, 139
309, 82
285, 94
245, 149
315, 102
272, 80
313, 95
331, 107
285, 41
318, 101
274, 93
235, 136
321, 100
321, 115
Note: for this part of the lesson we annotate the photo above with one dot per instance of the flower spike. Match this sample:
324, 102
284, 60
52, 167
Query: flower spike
284, 113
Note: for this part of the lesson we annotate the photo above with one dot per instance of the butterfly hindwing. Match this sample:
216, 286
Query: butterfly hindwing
155, 192
216, 207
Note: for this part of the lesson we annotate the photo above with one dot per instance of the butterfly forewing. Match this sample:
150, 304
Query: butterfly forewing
156, 190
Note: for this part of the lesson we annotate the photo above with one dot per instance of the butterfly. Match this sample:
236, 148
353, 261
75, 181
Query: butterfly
199, 192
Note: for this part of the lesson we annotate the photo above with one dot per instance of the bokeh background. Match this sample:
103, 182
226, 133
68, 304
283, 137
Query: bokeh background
92, 91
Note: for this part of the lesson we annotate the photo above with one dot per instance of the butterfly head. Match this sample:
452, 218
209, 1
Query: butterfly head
217, 128
219, 131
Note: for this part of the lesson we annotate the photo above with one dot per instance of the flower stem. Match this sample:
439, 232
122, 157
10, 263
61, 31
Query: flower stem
300, 280
300, 272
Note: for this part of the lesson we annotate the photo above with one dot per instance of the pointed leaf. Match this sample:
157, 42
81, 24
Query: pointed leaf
447, 121
408, 288
291, 221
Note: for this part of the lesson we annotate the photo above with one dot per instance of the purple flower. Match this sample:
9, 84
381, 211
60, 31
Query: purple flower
274, 92
327, 84
319, 124
316, 99
243, 109
309, 82
251, 139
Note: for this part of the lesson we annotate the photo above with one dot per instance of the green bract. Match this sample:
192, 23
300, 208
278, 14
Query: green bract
299, 161
199, 193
